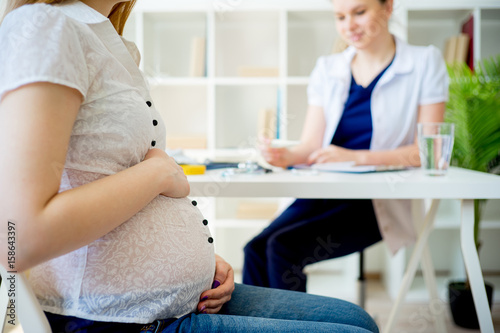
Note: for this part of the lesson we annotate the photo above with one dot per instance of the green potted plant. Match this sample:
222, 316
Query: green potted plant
474, 107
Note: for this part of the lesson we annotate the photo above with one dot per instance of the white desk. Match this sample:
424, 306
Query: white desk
460, 184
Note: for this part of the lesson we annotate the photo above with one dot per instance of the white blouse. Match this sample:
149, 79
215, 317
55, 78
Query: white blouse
156, 264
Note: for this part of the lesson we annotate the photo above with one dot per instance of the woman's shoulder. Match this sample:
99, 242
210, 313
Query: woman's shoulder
33, 19
332, 62
33, 13
38, 26
422, 53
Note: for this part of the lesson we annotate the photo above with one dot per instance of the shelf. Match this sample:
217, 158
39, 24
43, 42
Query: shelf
490, 27
246, 81
177, 81
298, 80
434, 27
296, 115
168, 39
310, 34
184, 111
259, 30
225, 6
447, 4
436, 15
240, 105
177, 6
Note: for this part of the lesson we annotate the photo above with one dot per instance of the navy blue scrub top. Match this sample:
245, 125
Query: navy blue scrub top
354, 130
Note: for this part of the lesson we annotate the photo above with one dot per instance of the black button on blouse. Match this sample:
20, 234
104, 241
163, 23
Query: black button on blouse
153, 143
210, 240
149, 103
155, 122
194, 203
205, 222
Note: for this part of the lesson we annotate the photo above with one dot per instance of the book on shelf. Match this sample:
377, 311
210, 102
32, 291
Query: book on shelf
468, 29
198, 55
449, 49
266, 123
457, 48
462, 48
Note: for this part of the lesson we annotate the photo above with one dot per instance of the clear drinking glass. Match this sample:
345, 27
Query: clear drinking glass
435, 142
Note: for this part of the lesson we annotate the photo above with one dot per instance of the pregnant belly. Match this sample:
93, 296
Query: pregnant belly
164, 251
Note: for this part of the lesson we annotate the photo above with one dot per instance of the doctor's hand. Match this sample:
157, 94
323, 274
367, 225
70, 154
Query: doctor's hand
175, 183
280, 157
333, 153
211, 301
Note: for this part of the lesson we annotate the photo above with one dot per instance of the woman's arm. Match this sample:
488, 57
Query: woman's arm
406, 155
35, 127
311, 140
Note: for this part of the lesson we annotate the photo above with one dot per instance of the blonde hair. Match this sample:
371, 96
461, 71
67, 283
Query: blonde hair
118, 16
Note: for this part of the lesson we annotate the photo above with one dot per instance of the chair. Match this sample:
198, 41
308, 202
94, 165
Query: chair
27, 309
361, 281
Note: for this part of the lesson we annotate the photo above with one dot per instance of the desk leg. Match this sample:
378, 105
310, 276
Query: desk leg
473, 267
430, 282
413, 264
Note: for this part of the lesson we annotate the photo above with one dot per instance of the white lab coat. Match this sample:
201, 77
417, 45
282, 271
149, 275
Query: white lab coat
416, 77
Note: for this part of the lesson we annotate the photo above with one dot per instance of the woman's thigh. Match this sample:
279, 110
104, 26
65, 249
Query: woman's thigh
346, 227
305, 210
238, 324
284, 304
256, 309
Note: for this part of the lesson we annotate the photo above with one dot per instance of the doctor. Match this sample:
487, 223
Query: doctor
364, 105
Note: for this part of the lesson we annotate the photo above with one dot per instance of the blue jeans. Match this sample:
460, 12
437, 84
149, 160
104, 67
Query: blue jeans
256, 309
309, 231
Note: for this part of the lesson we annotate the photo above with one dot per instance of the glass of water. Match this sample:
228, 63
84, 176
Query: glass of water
435, 142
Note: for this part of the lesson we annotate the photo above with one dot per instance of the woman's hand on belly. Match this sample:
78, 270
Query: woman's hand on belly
174, 181
211, 301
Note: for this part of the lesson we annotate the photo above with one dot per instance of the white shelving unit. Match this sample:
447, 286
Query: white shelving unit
432, 22
218, 110
287, 36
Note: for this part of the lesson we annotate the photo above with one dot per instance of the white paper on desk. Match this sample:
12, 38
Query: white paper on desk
350, 167
343, 167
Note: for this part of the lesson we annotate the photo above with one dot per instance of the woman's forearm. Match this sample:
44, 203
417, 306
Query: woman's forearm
406, 156
74, 218
300, 153
36, 122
